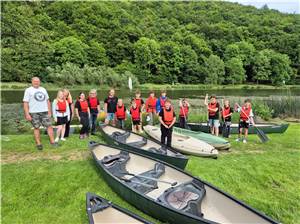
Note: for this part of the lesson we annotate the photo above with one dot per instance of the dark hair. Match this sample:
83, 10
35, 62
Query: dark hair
151, 91
163, 91
213, 96
137, 92
132, 100
168, 101
247, 101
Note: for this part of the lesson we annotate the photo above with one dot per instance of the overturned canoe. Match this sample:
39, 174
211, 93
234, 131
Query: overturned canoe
100, 210
217, 142
185, 144
168, 193
136, 143
267, 128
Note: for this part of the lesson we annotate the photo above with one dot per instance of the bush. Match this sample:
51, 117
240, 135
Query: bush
262, 110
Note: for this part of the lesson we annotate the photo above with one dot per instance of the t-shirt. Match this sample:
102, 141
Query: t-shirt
229, 117
111, 104
216, 115
37, 99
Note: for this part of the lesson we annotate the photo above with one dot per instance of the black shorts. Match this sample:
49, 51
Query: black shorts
62, 120
244, 124
136, 122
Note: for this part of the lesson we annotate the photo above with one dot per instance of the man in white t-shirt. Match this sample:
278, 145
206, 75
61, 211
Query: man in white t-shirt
37, 110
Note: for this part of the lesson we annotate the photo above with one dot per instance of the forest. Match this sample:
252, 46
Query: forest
152, 42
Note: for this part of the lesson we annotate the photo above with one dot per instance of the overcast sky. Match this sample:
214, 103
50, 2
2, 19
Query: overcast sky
285, 6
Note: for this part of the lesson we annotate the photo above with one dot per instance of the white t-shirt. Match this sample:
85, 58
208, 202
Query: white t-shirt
37, 99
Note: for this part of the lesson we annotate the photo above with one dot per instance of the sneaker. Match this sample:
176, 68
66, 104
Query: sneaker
244, 141
56, 139
81, 136
54, 144
237, 140
63, 139
39, 147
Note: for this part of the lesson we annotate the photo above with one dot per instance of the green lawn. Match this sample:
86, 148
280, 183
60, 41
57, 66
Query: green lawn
50, 186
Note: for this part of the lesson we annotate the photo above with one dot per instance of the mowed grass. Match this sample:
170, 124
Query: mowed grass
50, 186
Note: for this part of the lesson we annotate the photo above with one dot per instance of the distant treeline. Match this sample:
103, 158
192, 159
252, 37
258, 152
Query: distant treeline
157, 42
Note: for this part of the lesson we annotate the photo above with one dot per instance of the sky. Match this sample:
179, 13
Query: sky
285, 6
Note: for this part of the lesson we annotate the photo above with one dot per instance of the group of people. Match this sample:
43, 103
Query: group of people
37, 110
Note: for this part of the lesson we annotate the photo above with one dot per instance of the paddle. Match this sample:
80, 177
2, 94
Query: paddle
262, 136
135, 182
186, 126
150, 178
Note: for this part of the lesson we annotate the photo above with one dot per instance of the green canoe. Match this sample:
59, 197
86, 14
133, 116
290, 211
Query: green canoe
267, 128
167, 193
216, 142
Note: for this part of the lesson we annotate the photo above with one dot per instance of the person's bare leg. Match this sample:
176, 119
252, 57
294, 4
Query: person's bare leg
63, 130
58, 131
50, 134
246, 133
37, 136
217, 131
240, 133
212, 130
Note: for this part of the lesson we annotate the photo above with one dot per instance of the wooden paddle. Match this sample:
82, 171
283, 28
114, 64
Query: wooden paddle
262, 136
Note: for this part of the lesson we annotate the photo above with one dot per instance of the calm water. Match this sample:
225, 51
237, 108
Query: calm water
16, 96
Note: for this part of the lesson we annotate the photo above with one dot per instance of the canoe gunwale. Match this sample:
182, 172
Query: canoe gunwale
255, 211
115, 206
180, 160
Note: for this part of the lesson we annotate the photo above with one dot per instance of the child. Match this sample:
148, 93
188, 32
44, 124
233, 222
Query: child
138, 100
120, 114
213, 114
61, 114
83, 113
183, 112
110, 105
151, 107
160, 103
136, 117
167, 119
94, 106
69, 99
246, 116
226, 117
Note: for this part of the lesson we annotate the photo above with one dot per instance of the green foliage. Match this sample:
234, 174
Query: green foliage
159, 42
262, 110
215, 70
235, 73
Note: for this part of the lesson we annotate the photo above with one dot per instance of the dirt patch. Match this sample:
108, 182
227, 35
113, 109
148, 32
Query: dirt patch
11, 157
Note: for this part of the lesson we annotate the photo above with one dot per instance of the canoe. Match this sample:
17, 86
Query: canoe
217, 142
137, 143
185, 144
168, 193
100, 210
267, 128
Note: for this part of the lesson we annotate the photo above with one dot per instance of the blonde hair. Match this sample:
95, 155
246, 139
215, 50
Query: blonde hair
69, 97
93, 91
58, 93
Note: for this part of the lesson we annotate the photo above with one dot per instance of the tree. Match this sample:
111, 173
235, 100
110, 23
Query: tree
190, 68
215, 70
235, 73
281, 70
70, 49
96, 54
261, 66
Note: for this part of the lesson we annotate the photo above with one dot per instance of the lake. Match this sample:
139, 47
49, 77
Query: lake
16, 96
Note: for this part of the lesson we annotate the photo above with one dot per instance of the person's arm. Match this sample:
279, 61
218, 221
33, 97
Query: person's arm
49, 108
162, 122
73, 110
141, 115
98, 107
77, 114
251, 117
206, 100
68, 111
54, 110
180, 103
105, 108
26, 111
89, 111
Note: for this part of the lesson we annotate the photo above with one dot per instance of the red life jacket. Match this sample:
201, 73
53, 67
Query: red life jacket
93, 101
83, 106
225, 111
212, 106
184, 110
120, 112
162, 102
135, 113
138, 102
168, 116
151, 104
61, 106
245, 113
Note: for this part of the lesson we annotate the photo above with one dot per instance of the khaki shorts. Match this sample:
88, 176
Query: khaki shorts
40, 119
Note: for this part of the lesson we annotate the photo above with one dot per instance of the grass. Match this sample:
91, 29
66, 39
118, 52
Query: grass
50, 186
149, 86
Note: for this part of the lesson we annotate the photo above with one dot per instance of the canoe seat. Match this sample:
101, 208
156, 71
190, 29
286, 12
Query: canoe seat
160, 150
120, 137
138, 144
116, 164
186, 197
146, 185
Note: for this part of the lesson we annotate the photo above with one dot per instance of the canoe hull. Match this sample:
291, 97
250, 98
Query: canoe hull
178, 161
268, 129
